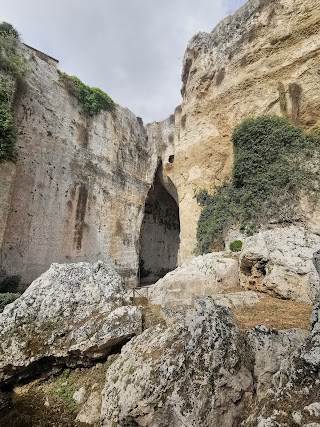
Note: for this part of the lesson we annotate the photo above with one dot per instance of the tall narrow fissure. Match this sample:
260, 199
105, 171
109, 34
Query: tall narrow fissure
160, 233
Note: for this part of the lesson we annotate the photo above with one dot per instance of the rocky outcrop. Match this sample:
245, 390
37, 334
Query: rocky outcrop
238, 71
204, 275
293, 398
72, 315
192, 374
279, 262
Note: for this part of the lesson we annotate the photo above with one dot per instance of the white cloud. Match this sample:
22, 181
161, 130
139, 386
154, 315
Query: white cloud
131, 49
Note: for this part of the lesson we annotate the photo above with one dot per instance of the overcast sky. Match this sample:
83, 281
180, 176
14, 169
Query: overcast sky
132, 49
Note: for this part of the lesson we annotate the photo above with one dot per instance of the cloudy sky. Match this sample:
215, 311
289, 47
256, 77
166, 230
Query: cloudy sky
132, 49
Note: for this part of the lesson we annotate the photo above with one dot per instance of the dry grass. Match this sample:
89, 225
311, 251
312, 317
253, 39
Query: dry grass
274, 313
151, 314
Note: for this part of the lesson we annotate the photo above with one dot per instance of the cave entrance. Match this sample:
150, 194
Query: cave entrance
160, 231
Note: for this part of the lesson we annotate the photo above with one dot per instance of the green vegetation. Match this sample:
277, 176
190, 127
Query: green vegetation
8, 131
236, 246
12, 59
7, 298
65, 389
14, 64
92, 99
7, 29
274, 164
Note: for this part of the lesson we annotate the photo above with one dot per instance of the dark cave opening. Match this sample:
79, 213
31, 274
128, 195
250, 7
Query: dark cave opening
160, 232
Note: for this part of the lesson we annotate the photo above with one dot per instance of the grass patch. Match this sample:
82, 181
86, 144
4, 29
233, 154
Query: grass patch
236, 246
274, 313
7, 298
92, 99
151, 314
275, 163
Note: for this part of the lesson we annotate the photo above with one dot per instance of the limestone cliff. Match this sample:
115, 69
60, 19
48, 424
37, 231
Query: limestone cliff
79, 187
264, 59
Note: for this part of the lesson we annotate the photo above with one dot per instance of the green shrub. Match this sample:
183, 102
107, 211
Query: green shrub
92, 99
7, 298
7, 29
274, 163
236, 246
8, 131
14, 63
12, 58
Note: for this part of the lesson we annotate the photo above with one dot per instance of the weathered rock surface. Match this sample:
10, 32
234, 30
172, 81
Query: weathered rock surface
239, 70
269, 347
191, 374
293, 398
78, 190
204, 275
279, 262
200, 371
72, 315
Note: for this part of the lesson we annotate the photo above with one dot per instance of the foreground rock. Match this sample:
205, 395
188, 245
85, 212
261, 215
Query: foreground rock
279, 262
71, 315
192, 374
204, 275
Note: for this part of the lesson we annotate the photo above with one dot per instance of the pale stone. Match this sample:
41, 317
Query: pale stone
231, 74
90, 412
192, 374
204, 275
297, 417
78, 189
269, 348
73, 314
313, 409
279, 262
79, 395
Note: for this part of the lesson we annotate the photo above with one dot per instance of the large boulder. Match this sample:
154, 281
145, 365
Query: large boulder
194, 373
71, 315
202, 276
279, 262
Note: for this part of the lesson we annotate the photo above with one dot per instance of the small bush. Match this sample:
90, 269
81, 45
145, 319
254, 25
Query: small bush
274, 164
7, 298
7, 29
12, 58
236, 246
92, 99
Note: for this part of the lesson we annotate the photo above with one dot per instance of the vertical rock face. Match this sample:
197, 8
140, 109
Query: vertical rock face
79, 187
264, 59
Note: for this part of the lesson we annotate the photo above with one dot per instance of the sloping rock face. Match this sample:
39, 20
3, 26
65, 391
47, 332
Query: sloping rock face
204, 275
78, 190
72, 315
191, 374
279, 262
264, 59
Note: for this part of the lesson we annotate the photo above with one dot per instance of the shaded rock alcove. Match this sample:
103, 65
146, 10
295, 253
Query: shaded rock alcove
160, 232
